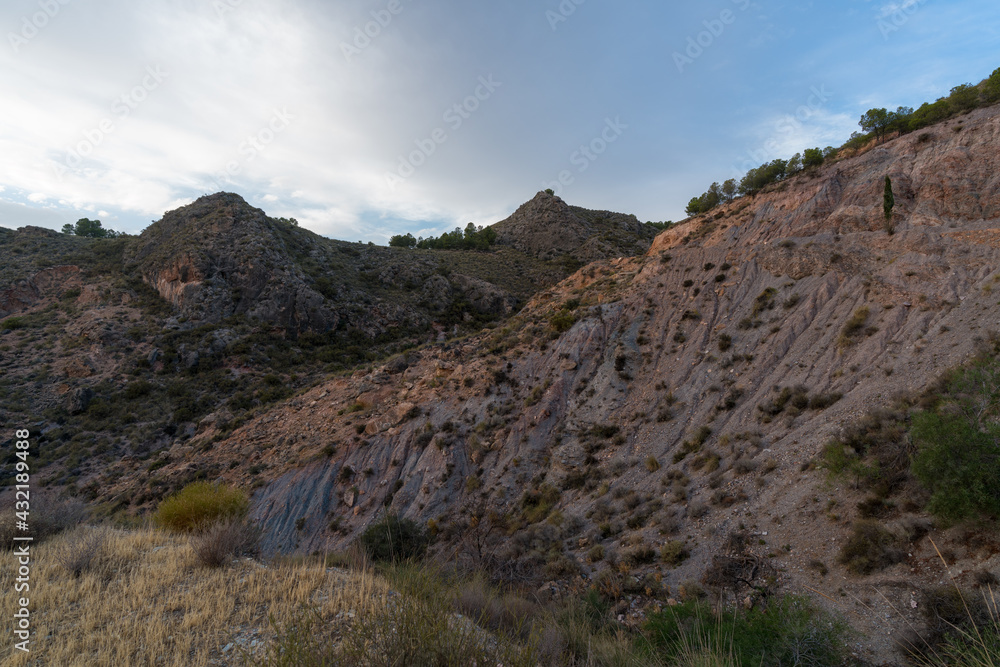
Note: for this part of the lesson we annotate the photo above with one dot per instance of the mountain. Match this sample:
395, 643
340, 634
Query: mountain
215, 312
548, 228
686, 401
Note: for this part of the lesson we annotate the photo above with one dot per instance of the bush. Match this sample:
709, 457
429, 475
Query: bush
674, 553
197, 506
960, 465
81, 550
226, 540
870, 548
394, 539
789, 631
49, 516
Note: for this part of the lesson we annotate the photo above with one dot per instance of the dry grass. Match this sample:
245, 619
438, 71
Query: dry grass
147, 601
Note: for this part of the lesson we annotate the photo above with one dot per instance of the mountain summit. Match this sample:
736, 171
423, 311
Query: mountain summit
546, 227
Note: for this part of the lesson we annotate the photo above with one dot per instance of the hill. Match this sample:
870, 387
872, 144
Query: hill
686, 396
731, 410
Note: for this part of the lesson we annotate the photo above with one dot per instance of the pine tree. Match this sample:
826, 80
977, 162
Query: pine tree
888, 201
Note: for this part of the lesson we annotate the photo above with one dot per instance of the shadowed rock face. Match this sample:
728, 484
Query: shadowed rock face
220, 257
547, 228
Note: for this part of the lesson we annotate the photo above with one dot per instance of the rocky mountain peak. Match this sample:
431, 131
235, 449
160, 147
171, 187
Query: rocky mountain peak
220, 257
546, 227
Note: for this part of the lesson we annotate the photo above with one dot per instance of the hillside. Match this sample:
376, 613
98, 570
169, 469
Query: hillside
680, 402
117, 348
639, 402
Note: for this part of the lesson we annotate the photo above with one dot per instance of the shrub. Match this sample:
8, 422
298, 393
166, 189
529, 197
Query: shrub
639, 555
854, 327
870, 548
674, 553
959, 464
652, 465
395, 539
49, 516
562, 321
788, 631
81, 550
226, 540
198, 505
725, 342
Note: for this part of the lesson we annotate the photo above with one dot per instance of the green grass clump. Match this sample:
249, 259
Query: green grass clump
788, 631
199, 505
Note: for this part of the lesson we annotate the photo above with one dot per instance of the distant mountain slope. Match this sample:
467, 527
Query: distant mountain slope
547, 228
120, 347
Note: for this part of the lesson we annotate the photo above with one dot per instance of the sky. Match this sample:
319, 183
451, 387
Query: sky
379, 117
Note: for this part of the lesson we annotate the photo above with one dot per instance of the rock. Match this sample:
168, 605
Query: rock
77, 368
79, 400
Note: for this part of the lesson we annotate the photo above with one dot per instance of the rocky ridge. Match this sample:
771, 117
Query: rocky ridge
644, 387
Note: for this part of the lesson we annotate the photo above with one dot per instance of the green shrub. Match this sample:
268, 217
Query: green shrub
854, 327
674, 553
199, 505
562, 321
395, 539
788, 631
960, 465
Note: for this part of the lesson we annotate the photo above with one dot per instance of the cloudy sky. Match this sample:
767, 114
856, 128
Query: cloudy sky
376, 117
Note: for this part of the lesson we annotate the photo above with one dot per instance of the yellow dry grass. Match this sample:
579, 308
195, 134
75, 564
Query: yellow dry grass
148, 602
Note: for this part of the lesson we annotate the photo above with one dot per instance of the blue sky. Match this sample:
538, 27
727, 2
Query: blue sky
378, 117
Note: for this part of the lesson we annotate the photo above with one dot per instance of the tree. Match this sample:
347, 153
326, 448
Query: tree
92, 229
68, 229
813, 157
929, 113
899, 121
402, 241
888, 201
991, 87
876, 121
729, 189
829, 153
795, 164
964, 97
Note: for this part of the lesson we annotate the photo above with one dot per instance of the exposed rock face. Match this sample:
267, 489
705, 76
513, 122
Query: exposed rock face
46, 283
220, 257
547, 228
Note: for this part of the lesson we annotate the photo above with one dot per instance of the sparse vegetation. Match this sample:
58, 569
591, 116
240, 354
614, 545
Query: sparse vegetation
200, 504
